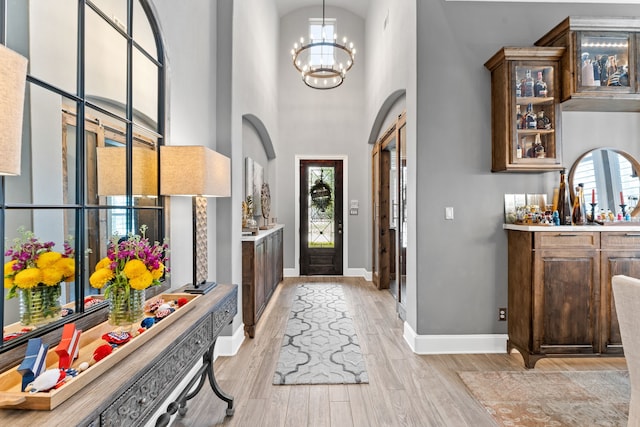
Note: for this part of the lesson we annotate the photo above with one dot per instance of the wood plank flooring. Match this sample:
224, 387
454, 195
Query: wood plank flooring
405, 389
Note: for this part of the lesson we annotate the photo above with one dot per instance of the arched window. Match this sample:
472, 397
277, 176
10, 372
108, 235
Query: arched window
93, 124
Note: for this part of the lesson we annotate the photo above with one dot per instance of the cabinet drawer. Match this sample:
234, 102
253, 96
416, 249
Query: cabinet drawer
621, 240
223, 316
145, 395
566, 239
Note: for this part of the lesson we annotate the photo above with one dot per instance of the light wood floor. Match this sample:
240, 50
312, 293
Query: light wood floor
405, 389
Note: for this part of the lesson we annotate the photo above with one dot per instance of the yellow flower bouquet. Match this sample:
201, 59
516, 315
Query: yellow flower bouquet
34, 272
132, 265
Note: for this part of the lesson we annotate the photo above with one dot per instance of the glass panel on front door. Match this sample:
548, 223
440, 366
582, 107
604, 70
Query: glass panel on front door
321, 197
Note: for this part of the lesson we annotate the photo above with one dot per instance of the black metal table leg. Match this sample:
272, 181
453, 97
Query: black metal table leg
180, 404
214, 384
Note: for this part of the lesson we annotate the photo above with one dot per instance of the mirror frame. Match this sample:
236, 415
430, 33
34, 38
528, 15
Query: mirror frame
85, 318
629, 157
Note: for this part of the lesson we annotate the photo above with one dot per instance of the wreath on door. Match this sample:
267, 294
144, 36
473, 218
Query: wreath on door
320, 194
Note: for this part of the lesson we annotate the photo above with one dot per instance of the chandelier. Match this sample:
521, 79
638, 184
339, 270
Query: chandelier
323, 61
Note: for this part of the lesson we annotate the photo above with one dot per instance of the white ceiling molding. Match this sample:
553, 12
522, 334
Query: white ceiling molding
554, 1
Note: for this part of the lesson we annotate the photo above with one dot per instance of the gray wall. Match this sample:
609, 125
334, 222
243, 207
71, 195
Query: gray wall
461, 271
191, 113
320, 123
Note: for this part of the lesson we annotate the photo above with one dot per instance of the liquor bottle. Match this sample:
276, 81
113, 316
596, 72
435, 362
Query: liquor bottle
518, 117
542, 121
518, 89
531, 119
528, 84
577, 213
562, 199
518, 151
540, 87
538, 148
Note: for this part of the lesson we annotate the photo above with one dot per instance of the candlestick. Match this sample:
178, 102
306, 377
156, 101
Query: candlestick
593, 211
622, 207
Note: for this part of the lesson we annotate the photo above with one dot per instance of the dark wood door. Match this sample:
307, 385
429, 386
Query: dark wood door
382, 251
321, 222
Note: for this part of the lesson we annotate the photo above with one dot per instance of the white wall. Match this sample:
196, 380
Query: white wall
320, 123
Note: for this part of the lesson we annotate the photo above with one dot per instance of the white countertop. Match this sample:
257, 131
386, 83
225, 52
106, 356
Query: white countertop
261, 233
616, 226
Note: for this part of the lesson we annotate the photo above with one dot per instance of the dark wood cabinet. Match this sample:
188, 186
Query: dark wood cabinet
560, 299
262, 270
525, 117
599, 66
620, 255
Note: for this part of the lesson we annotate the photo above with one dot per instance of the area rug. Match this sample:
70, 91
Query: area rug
545, 398
320, 345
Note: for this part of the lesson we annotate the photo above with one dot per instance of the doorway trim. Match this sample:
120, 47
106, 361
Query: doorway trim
346, 271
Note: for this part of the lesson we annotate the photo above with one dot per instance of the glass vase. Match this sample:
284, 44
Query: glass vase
40, 305
126, 307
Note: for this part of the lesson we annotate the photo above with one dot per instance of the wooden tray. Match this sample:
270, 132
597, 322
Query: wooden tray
11, 380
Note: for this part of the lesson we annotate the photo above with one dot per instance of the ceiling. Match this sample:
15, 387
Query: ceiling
359, 7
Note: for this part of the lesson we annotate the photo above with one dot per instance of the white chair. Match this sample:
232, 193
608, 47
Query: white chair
626, 294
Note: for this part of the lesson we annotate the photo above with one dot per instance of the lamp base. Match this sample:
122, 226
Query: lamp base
201, 289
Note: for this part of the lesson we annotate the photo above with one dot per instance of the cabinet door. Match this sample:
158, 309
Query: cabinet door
534, 117
603, 62
525, 115
279, 256
260, 277
271, 264
565, 295
613, 263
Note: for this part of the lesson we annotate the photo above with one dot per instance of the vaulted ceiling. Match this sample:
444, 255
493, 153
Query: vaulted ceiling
359, 7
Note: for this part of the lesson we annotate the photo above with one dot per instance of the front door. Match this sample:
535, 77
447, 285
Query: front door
320, 217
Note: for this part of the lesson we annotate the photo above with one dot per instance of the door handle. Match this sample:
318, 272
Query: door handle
339, 227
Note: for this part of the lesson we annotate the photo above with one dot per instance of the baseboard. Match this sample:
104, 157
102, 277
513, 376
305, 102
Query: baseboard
358, 272
229, 345
455, 344
349, 272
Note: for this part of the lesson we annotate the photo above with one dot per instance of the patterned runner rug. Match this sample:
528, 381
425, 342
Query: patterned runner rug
320, 345
546, 398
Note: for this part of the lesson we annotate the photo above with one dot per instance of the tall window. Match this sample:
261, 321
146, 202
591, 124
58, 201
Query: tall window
322, 54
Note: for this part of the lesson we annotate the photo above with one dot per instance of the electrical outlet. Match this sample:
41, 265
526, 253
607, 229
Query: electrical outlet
502, 314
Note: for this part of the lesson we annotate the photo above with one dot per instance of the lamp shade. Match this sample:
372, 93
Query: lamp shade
194, 170
13, 75
112, 177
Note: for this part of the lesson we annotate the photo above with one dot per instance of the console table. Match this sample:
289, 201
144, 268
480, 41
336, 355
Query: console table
140, 384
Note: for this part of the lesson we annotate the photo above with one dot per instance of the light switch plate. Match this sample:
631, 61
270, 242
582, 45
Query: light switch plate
448, 213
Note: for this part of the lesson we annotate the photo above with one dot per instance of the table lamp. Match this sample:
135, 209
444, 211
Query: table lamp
112, 179
13, 75
197, 171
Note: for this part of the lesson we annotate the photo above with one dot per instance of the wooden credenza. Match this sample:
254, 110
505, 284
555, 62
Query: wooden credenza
262, 270
560, 301
139, 385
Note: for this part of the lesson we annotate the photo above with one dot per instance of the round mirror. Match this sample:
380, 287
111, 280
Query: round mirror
610, 179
